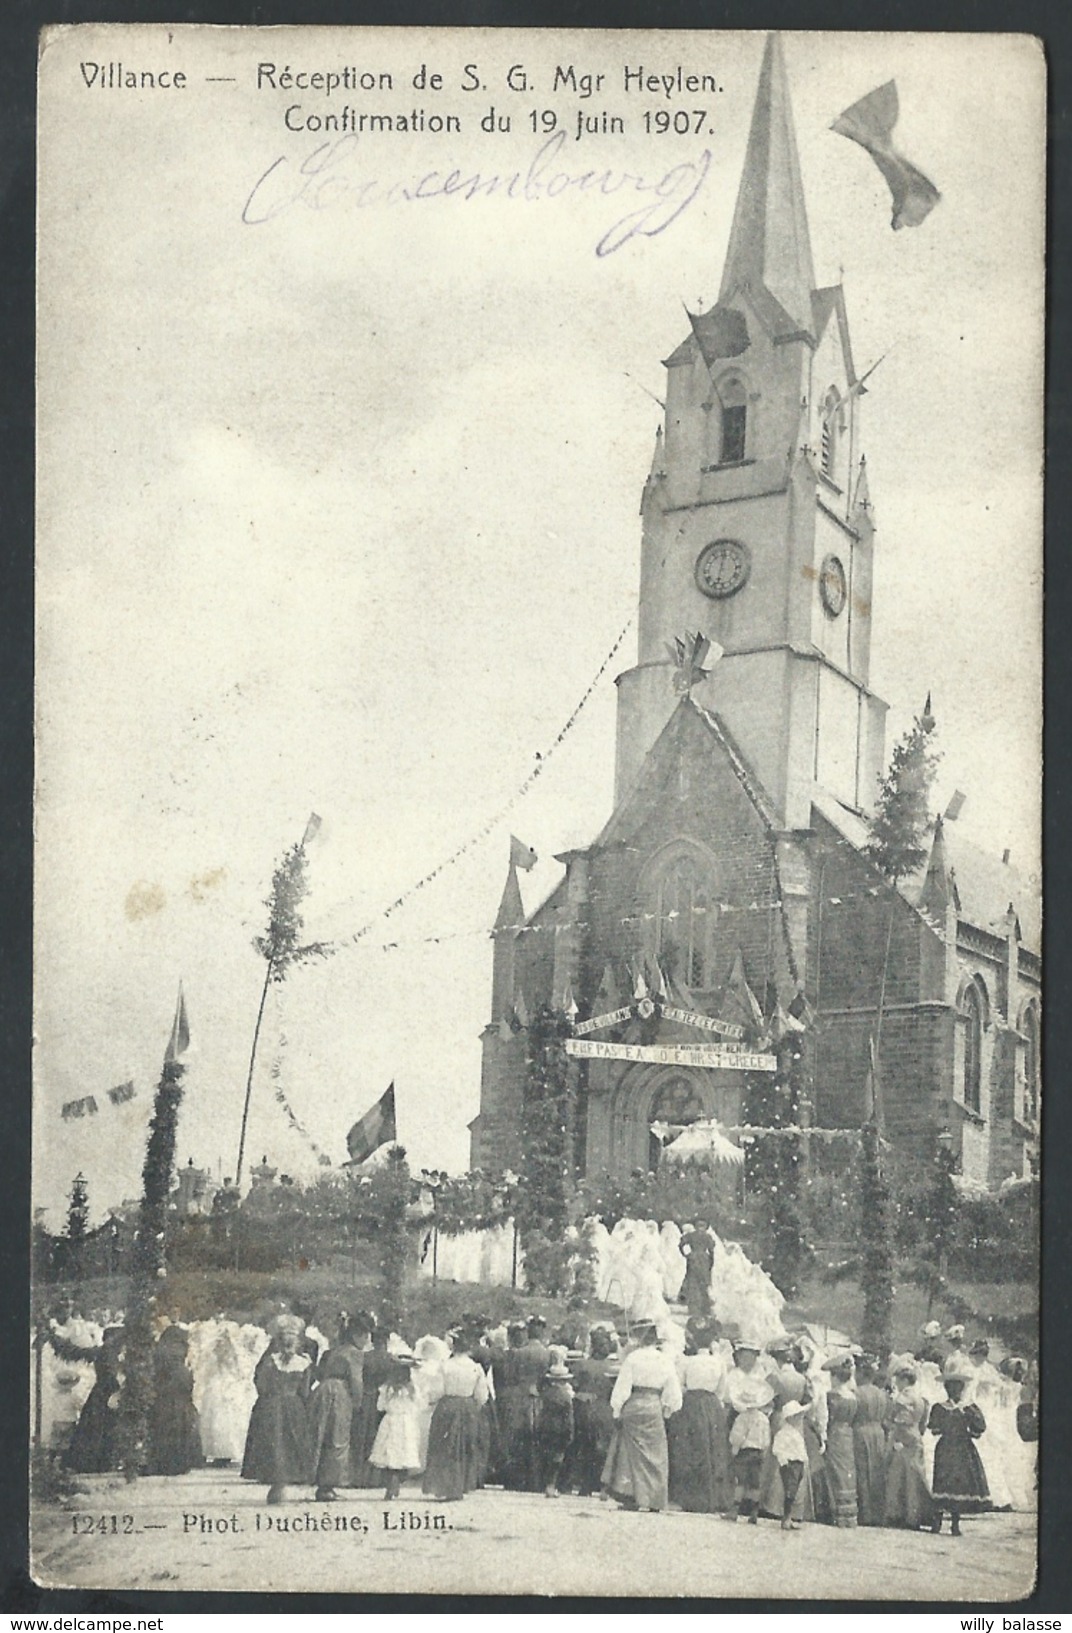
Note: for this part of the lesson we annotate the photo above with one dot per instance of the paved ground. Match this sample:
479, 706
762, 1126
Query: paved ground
210, 1530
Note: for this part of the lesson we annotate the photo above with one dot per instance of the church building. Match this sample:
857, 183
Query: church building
728, 904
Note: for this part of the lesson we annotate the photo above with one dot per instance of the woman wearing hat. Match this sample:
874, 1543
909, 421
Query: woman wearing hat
454, 1437
750, 1396
840, 1459
869, 1441
646, 1392
959, 1481
336, 1395
376, 1368
989, 1391
279, 1443
906, 1496
94, 1446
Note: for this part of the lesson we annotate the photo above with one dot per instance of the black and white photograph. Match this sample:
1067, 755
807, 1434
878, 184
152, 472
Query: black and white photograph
537, 978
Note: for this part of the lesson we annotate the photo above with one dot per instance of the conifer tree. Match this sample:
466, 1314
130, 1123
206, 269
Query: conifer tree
78, 1209
876, 1267
898, 840
546, 1167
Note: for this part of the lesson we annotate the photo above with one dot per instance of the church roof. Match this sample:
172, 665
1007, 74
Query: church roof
511, 912
983, 886
769, 245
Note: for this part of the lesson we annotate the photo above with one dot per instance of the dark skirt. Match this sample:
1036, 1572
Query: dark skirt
279, 1443
455, 1448
906, 1497
637, 1467
869, 1447
363, 1426
841, 1473
593, 1430
94, 1447
959, 1476
174, 1435
516, 1464
701, 1473
332, 1414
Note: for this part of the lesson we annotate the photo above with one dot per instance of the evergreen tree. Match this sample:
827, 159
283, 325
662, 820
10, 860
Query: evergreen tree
280, 947
545, 1182
897, 844
395, 1190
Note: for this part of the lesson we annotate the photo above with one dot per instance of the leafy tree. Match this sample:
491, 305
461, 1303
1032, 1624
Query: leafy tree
899, 827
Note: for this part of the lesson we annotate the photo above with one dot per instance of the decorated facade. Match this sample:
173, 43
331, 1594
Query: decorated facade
726, 939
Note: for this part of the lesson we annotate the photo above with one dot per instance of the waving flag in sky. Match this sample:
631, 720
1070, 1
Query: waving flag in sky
871, 122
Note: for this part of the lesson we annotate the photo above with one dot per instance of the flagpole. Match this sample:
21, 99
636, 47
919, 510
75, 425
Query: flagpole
249, 1077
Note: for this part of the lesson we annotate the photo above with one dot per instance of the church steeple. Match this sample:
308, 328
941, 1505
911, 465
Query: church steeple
769, 243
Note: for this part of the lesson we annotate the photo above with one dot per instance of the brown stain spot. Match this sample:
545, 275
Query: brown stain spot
810, 572
143, 900
202, 884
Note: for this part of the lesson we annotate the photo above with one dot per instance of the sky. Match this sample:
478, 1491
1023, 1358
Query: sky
337, 512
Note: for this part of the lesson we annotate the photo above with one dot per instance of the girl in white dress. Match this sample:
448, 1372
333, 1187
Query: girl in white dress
397, 1447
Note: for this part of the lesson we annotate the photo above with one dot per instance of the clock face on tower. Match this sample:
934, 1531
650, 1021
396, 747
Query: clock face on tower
833, 587
722, 568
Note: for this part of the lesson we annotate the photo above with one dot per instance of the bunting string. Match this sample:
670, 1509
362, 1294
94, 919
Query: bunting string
500, 816
275, 1072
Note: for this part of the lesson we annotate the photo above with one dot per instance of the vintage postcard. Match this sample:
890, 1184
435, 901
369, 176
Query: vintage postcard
538, 893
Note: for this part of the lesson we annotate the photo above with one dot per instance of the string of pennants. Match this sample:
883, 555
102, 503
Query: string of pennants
299, 1128
493, 822
87, 1105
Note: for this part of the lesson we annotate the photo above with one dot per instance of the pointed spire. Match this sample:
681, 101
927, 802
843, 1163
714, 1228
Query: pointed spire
927, 717
769, 243
511, 913
938, 891
658, 464
861, 499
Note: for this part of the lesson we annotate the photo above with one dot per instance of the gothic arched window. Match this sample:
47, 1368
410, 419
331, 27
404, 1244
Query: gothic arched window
829, 432
971, 1018
734, 402
1029, 1026
682, 914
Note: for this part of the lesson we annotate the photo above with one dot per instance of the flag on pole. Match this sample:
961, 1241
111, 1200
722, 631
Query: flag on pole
521, 855
312, 828
375, 1128
722, 332
871, 122
179, 1041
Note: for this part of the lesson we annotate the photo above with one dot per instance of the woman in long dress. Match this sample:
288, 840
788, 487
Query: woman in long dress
279, 1445
959, 1481
454, 1437
987, 1390
337, 1393
593, 1420
906, 1498
869, 1443
223, 1391
750, 1397
94, 1447
701, 1473
174, 1429
431, 1353
376, 1369
645, 1394
840, 1457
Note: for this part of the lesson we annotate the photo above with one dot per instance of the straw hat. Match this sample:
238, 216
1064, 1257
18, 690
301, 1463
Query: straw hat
955, 1332
793, 1409
958, 1372
559, 1373
834, 1363
288, 1323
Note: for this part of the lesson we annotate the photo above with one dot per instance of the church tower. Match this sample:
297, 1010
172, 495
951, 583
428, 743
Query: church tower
757, 525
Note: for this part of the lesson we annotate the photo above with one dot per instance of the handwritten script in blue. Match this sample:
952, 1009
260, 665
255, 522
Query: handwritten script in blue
329, 178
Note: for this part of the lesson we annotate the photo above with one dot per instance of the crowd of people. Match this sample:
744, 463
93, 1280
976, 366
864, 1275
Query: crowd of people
691, 1415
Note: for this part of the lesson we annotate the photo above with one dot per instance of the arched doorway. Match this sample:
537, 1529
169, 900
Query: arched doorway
677, 1101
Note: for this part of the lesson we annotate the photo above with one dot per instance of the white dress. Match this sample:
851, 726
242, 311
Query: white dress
397, 1443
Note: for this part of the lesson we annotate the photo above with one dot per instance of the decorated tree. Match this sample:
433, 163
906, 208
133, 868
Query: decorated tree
281, 948
898, 839
148, 1266
545, 1183
876, 1258
78, 1209
774, 1167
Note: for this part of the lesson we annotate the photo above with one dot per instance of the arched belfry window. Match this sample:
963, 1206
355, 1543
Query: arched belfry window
734, 400
972, 1016
1029, 1027
680, 913
829, 432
